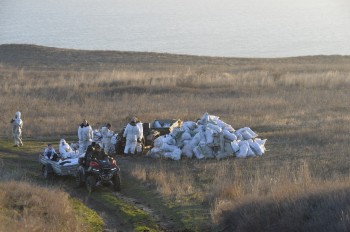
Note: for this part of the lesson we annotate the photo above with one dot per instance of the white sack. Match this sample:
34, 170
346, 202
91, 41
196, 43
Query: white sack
189, 125
206, 151
175, 155
250, 131
243, 149
215, 128
198, 153
186, 136
187, 150
234, 146
196, 139
229, 136
177, 132
168, 148
169, 140
114, 139
222, 155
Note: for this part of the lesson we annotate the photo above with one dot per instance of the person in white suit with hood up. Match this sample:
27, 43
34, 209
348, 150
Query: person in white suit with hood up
107, 135
17, 125
85, 135
132, 134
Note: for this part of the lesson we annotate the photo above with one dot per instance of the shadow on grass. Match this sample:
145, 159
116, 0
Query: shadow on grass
323, 211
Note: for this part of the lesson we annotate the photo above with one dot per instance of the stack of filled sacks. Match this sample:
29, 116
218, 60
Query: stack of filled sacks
208, 138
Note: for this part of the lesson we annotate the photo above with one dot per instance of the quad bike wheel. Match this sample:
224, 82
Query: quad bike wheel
90, 183
46, 173
79, 179
116, 182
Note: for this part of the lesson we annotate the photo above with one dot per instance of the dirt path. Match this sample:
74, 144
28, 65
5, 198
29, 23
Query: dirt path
110, 215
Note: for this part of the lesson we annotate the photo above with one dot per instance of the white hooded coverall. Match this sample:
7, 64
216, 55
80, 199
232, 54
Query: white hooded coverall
65, 150
131, 133
17, 124
85, 135
107, 135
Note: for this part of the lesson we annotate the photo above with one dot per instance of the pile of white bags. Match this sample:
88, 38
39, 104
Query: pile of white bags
208, 138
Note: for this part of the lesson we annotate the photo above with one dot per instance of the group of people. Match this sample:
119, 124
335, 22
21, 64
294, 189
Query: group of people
133, 135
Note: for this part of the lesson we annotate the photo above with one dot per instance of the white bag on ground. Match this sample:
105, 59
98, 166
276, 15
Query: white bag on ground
177, 132
222, 155
169, 140
214, 128
256, 148
189, 125
243, 149
250, 135
187, 150
158, 142
168, 148
186, 136
206, 151
229, 136
174, 155
235, 146
198, 153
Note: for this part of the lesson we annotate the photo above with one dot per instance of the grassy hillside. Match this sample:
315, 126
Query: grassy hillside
299, 104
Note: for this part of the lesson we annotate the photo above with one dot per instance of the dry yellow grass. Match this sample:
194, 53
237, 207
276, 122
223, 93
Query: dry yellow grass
28, 207
299, 104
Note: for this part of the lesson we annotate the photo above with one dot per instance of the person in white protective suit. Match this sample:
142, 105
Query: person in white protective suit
139, 143
132, 135
85, 135
65, 150
107, 135
17, 125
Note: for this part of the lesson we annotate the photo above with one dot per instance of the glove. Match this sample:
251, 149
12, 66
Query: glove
139, 140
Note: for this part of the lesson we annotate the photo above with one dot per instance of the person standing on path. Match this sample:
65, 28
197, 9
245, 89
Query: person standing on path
17, 125
85, 135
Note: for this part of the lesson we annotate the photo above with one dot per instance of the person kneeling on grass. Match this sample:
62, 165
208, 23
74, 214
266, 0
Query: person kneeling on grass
50, 153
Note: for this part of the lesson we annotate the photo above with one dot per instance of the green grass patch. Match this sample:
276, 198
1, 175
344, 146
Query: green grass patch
139, 219
87, 216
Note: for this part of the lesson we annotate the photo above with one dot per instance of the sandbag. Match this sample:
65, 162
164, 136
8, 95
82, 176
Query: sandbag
139, 148
198, 153
222, 155
186, 136
174, 155
196, 139
234, 146
168, 148
209, 136
206, 151
250, 131
189, 125
169, 139
261, 143
243, 149
228, 149
187, 150
229, 136
158, 142
177, 132
114, 139
214, 128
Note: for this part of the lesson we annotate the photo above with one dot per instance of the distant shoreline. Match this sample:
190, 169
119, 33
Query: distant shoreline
42, 57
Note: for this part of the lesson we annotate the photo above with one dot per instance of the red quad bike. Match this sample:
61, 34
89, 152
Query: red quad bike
97, 173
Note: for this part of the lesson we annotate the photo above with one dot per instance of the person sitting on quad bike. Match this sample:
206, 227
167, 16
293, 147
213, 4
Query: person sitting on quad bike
96, 153
98, 168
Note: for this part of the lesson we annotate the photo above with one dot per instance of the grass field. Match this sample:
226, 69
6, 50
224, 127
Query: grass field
300, 105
